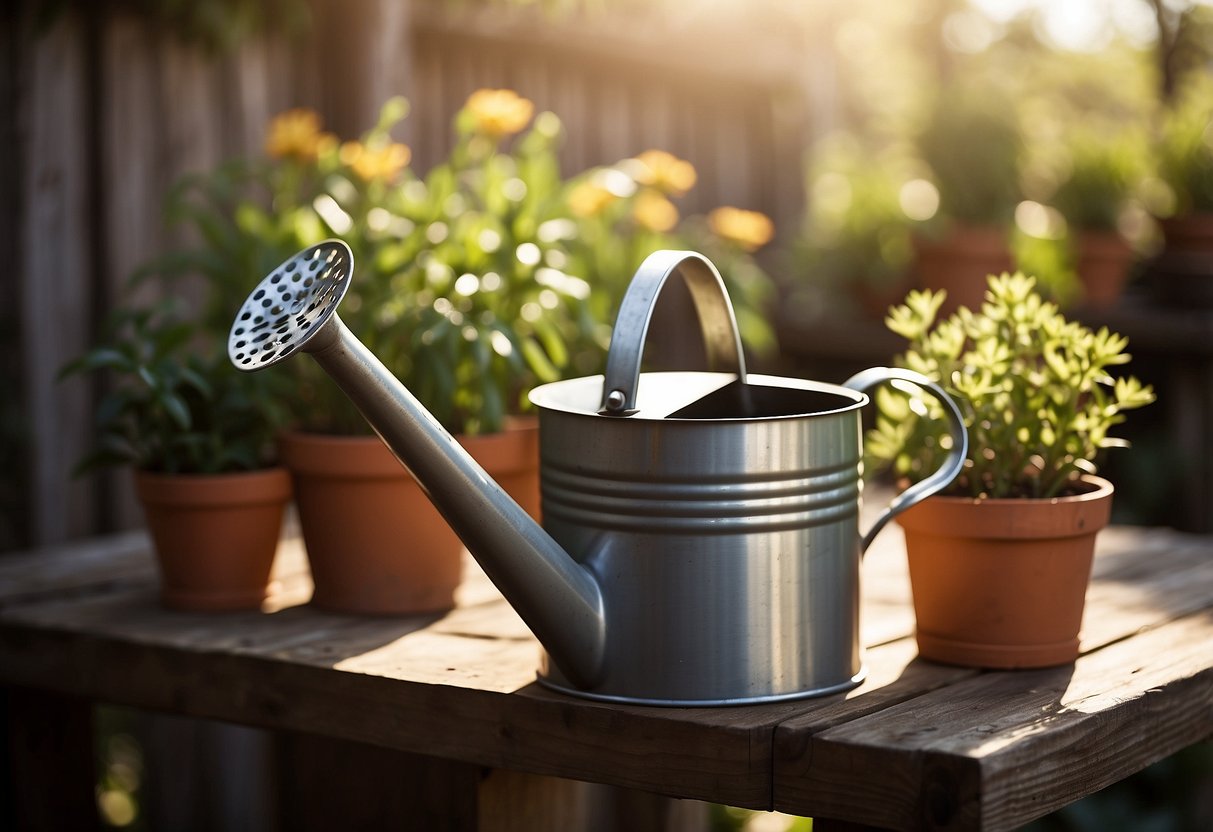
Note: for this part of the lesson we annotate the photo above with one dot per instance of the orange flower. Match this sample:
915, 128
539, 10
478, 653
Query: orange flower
295, 134
499, 113
588, 199
654, 212
665, 172
376, 162
749, 229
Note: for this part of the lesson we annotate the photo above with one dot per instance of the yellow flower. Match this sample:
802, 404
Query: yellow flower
295, 134
654, 212
499, 113
588, 199
665, 172
749, 229
378, 162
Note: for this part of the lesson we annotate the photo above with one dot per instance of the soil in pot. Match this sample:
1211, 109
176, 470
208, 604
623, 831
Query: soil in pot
215, 537
1002, 583
375, 543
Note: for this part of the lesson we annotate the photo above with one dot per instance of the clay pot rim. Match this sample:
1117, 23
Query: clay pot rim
966, 237
1101, 488
263, 485
1013, 518
501, 453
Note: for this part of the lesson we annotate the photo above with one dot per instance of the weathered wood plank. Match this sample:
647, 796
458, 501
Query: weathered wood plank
1000, 749
723, 754
56, 317
125, 560
1142, 580
460, 686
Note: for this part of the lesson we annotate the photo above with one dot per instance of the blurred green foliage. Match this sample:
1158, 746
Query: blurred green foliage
175, 404
490, 274
1185, 147
217, 25
993, 115
973, 147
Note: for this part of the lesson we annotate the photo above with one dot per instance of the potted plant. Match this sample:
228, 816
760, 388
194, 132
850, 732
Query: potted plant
972, 145
1184, 150
1104, 171
199, 437
1000, 562
458, 292
856, 240
472, 284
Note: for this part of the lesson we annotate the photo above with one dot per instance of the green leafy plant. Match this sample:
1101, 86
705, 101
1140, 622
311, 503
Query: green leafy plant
1034, 389
1105, 171
618, 214
1185, 147
174, 405
488, 275
973, 147
218, 25
857, 233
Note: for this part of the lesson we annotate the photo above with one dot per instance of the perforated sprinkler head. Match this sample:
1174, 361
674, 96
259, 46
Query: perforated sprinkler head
290, 306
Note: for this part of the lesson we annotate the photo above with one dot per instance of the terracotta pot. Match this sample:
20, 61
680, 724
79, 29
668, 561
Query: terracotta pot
375, 543
215, 536
874, 299
1103, 262
960, 263
1182, 275
1192, 234
1002, 583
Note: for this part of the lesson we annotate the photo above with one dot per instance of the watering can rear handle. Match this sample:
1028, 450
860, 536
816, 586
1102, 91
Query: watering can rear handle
919, 491
716, 319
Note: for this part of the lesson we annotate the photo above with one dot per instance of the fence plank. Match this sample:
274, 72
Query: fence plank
56, 311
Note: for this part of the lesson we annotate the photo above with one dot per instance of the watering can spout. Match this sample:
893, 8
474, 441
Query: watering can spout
558, 598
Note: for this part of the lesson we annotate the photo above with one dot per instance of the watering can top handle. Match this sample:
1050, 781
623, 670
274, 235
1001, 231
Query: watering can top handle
716, 319
951, 466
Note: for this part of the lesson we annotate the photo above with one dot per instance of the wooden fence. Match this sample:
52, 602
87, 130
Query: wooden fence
104, 111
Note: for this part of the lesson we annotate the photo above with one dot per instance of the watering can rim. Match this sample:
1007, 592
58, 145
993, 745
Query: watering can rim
547, 397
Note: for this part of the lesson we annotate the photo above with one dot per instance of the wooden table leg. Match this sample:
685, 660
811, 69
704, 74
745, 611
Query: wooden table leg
326, 784
48, 776
828, 825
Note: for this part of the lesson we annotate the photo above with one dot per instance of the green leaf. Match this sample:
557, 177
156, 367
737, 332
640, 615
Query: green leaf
176, 408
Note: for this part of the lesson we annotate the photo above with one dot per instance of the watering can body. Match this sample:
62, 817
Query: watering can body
700, 543
727, 550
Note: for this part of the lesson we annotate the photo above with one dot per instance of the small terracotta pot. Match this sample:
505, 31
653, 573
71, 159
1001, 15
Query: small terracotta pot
1103, 261
1002, 583
1192, 234
375, 543
215, 536
960, 263
1182, 274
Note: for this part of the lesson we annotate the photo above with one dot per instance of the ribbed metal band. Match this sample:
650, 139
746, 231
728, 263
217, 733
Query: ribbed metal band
746, 503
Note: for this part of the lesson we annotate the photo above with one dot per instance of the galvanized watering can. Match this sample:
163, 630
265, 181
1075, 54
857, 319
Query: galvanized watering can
701, 542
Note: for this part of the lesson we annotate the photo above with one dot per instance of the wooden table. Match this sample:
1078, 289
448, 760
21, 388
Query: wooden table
448, 698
